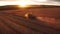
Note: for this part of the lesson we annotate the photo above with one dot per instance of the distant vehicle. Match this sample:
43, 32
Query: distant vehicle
30, 16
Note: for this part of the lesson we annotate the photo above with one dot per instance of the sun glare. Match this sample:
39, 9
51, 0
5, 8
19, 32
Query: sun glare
23, 3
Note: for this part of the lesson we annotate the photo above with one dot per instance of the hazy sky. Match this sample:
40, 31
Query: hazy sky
32, 2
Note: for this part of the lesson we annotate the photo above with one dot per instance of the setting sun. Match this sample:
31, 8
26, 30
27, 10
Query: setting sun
23, 3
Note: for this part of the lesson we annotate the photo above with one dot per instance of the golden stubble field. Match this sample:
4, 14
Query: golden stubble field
47, 25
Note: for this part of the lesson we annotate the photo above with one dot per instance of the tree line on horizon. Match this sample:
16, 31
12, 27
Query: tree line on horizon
13, 7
